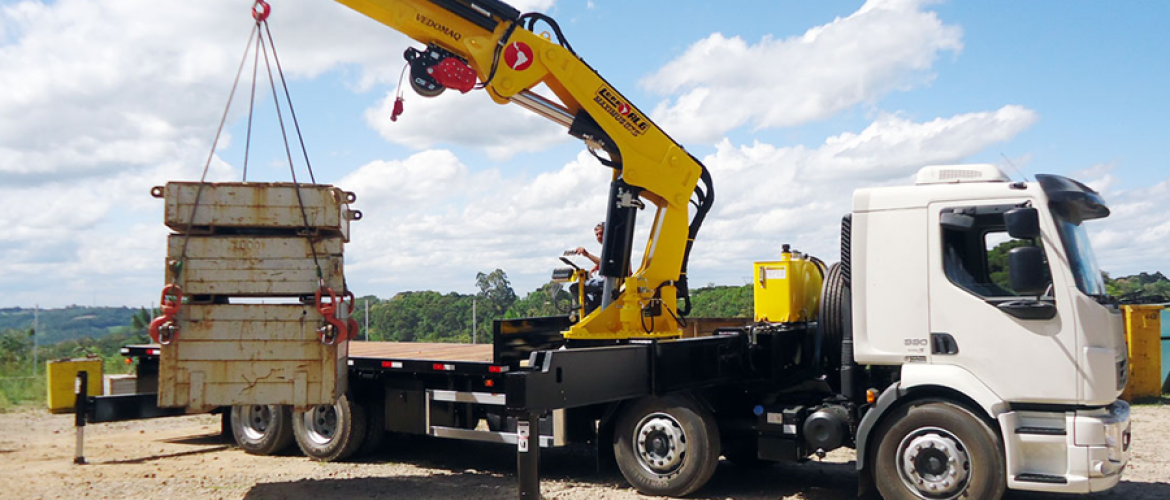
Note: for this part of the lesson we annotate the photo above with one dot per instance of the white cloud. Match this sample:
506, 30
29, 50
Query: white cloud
471, 120
1135, 236
95, 86
430, 222
768, 195
886, 45
104, 98
533, 5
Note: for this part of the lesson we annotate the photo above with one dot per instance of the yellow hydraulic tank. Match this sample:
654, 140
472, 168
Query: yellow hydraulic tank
61, 376
1143, 334
787, 290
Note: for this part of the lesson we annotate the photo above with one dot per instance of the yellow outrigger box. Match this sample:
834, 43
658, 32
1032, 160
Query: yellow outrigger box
61, 379
788, 290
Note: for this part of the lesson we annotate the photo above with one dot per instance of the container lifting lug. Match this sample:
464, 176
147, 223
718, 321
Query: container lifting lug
334, 329
163, 329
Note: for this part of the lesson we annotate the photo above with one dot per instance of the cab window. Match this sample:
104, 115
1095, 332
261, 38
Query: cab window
975, 248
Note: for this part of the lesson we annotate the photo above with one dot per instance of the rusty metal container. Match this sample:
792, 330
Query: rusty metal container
243, 354
257, 205
256, 241
254, 266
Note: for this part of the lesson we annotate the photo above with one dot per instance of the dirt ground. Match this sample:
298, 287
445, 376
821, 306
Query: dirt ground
186, 458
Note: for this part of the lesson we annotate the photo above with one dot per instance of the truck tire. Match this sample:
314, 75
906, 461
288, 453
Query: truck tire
666, 446
936, 450
328, 433
375, 427
261, 429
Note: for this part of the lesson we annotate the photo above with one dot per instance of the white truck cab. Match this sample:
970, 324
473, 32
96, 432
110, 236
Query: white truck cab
1025, 338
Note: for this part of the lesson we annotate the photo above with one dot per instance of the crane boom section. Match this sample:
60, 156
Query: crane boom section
511, 60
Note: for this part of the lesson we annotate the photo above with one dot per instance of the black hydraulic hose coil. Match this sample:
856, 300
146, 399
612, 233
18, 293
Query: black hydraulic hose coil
829, 319
836, 318
848, 364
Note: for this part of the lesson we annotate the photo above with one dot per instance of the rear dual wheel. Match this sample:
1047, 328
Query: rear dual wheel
331, 432
666, 446
262, 429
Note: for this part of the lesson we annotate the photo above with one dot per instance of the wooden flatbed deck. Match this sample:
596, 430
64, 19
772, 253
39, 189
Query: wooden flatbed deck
422, 351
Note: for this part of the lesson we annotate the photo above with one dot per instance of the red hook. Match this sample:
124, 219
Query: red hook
170, 307
261, 10
398, 109
351, 323
329, 311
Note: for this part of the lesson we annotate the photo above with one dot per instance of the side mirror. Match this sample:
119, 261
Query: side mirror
1026, 270
1022, 223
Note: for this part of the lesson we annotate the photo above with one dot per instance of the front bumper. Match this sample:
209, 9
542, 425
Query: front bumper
1081, 451
1105, 434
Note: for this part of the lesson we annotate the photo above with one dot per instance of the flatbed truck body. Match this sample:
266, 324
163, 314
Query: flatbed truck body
944, 381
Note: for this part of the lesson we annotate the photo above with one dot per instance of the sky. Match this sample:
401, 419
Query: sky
790, 104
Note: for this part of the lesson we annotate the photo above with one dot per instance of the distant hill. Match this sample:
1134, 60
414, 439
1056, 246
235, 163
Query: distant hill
69, 323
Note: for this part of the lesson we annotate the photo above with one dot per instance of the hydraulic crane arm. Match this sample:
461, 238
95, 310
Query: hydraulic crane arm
489, 44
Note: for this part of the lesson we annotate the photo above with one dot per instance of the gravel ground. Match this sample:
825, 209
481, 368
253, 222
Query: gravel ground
186, 458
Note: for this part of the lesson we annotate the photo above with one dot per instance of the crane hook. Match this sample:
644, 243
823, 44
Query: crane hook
261, 10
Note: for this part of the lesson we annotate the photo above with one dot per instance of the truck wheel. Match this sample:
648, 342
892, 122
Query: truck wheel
330, 432
938, 451
375, 427
666, 446
262, 429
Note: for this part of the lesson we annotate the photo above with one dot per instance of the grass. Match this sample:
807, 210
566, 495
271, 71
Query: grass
21, 390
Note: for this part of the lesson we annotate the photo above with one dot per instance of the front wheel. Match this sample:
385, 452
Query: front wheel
666, 446
330, 432
262, 429
938, 451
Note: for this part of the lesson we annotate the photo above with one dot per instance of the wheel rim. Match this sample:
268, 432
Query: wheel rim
934, 464
660, 444
321, 424
257, 420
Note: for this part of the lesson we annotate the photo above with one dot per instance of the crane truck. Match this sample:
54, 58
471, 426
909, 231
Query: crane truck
948, 380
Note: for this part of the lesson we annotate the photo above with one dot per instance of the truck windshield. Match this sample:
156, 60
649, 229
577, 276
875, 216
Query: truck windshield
1072, 203
1080, 256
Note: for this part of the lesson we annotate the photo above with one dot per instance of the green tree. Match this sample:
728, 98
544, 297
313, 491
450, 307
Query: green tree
493, 300
1142, 288
722, 302
997, 262
15, 345
544, 301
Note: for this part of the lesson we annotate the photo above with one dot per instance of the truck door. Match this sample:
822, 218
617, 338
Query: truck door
1021, 360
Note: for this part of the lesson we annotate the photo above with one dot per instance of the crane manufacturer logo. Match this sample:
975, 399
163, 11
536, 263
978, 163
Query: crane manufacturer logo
620, 110
518, 56
435, 25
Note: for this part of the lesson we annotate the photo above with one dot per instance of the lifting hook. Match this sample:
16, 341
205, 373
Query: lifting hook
163, 329
335, 329
261, 10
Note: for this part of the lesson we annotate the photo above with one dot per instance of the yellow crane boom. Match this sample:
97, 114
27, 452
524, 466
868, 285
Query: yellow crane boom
490, 42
